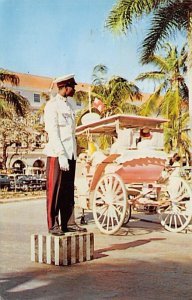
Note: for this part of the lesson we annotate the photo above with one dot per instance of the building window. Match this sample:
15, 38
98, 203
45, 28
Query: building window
37, 98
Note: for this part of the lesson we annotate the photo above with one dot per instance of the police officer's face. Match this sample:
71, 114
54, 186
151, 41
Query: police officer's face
70, 89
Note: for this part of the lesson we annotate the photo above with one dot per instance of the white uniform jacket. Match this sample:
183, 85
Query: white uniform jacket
59, 120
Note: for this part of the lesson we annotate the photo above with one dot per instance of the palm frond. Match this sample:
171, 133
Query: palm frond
40, 111
151, 106
99, 74
6, 110
170, 107
154, 75
184, 93
125, 12
185, 119
158, 61
167, 19
129, 108
123, 90
100, 69
183, 59
82, 97
8, 76
20, 103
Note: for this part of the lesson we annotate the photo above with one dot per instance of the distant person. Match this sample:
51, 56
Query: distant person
61, 158
175, 160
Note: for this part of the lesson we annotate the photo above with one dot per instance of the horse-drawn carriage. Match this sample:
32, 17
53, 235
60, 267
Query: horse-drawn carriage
114, 184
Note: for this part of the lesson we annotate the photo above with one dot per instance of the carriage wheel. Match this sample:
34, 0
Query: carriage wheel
109, 203
176, 213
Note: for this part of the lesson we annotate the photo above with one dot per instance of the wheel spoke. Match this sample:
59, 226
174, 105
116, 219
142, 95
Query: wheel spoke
119, 197
180, 219
118, 190
164, 221
110, 182
105, 216
100, 195
108, 218
115, 185
117, 210
184, 216
115, 214
170, 220
175, 220
102, 211
102, 187
107, 184
112, 221
118, 203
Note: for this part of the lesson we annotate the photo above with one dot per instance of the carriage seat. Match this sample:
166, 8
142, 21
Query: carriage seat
123, 142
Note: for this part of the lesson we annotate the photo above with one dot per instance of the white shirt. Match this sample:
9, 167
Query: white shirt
60, 125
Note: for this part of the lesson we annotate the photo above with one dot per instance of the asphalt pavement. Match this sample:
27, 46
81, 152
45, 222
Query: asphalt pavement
141, 261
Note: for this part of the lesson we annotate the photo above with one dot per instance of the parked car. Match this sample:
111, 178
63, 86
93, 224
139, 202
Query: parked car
42, 183
13, 178
26, 182
4, 182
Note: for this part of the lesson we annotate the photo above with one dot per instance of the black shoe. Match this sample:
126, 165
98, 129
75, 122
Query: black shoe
75, 228
56, 231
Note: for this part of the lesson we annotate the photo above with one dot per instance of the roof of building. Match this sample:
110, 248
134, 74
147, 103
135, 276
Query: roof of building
45, 83
34, 81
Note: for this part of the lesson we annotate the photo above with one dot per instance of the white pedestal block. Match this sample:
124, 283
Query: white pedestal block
62, 250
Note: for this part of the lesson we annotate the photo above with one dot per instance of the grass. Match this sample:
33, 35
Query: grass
20, 194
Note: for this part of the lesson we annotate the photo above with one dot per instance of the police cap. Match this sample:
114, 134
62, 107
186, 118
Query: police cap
65, 80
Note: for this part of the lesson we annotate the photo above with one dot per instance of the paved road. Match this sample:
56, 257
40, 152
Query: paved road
142, 261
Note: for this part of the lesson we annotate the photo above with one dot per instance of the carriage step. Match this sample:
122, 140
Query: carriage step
62, 250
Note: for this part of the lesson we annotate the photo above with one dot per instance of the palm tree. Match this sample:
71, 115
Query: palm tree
117, 95
9, 100
170, 98
167, 17
170, 76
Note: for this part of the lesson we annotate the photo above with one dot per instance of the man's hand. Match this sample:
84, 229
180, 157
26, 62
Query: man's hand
63, 163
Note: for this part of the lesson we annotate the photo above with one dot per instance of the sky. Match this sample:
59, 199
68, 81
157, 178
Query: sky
57, 37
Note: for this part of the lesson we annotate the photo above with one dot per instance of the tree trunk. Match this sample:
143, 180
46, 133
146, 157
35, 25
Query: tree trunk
4, 162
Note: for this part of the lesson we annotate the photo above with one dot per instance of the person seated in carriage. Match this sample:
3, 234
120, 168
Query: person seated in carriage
145, 140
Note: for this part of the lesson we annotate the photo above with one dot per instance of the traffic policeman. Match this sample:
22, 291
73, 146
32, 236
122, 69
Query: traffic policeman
61, 154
